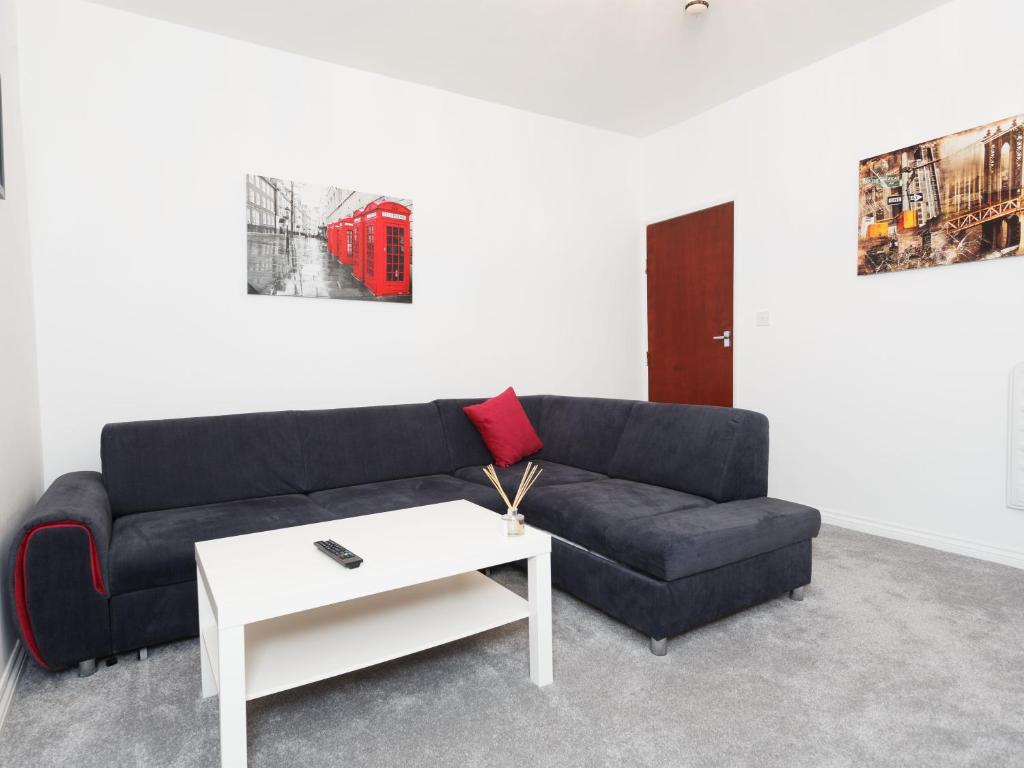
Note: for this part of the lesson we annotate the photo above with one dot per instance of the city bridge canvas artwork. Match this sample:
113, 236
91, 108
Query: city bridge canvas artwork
945, 201
323, 242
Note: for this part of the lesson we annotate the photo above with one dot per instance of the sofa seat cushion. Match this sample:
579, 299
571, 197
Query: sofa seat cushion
553, 474
589, 513
151, 549
368, 499
665, 533
684, 542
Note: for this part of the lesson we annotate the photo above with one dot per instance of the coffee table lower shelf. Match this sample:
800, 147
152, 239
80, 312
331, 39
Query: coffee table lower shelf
301, 648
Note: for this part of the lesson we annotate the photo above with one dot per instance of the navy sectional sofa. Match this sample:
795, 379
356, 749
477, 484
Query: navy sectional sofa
659, 512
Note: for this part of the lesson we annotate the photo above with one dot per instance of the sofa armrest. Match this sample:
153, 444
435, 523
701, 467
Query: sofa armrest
57, 577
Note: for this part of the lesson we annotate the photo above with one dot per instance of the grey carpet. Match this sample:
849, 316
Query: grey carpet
899, 656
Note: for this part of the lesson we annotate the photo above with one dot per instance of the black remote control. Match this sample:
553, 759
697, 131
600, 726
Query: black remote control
333, 549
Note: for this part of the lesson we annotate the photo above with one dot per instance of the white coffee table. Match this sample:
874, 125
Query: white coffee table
276, 613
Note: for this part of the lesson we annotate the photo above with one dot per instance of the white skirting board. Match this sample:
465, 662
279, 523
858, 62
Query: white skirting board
9, 681
1011, 557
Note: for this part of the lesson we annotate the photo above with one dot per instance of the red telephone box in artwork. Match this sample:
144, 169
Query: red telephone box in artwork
358, 237
345, 238
332, 238
387, 248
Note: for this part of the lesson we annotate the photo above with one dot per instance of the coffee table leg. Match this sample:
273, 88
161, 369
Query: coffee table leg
206, 623
231, 653
538, 570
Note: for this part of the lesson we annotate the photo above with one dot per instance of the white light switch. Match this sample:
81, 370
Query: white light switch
763, 318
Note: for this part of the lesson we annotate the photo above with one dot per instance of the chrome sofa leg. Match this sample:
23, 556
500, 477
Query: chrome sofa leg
87, 667
796, 594
659, 647
143, 654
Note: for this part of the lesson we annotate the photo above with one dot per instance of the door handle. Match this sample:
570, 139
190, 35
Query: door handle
725, 338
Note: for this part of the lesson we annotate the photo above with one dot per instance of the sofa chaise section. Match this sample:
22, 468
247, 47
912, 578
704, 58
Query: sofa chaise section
663, 609
680, 532
653, 504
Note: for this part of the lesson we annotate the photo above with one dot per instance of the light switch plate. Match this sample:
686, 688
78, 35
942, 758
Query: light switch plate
763, 319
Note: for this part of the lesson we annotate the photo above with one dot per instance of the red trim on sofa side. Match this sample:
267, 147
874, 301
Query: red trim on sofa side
21, 602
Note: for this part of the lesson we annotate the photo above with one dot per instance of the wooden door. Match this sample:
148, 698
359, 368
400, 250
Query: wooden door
689, 303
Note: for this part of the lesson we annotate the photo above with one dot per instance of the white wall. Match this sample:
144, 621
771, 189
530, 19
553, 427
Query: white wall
140, 135
887, 394
20, 463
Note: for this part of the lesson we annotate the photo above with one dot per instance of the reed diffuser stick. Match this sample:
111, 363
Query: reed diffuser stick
532, 480
492, 475
522, 485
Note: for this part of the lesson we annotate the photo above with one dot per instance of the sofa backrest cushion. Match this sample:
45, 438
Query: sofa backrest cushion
465, 446
151, 465
583, 432
718, 453
350, 446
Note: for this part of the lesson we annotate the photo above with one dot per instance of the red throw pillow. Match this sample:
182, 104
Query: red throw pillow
505, 428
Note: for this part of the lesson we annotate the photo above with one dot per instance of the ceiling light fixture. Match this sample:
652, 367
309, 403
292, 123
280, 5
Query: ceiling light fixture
696, 6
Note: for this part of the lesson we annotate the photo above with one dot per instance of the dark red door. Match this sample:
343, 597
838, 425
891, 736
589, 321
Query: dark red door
689, 308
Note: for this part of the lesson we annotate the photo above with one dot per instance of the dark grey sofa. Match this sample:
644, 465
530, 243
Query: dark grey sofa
659, 511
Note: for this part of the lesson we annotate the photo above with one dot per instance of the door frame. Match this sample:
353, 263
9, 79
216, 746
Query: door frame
699, 204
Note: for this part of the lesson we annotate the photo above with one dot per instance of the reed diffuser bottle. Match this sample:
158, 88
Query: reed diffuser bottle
513, 523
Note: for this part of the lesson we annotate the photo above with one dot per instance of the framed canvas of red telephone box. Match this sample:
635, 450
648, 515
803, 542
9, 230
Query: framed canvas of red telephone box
325, 242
